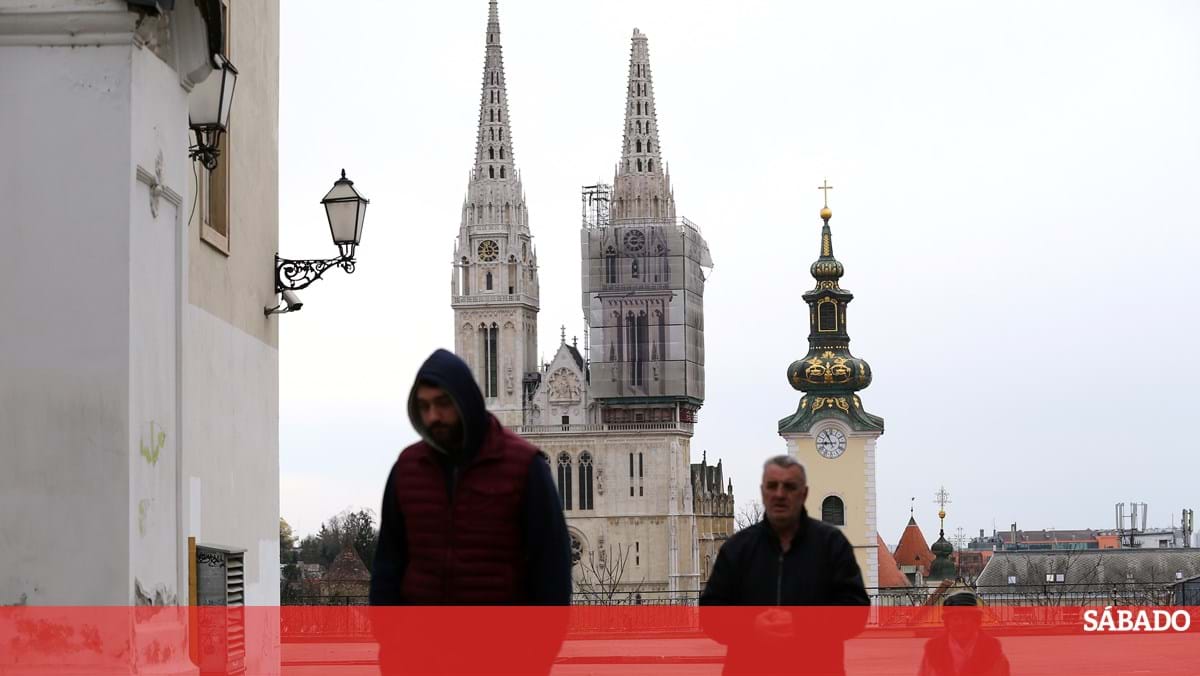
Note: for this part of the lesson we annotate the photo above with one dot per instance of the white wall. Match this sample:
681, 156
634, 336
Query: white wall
65, 182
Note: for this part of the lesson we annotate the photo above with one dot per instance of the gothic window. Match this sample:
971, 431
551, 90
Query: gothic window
631, 341
491, 172
634, 269
500, 135
620, 339
639, 127
512, 277
491, 115
638, 145
466, 276
491, 153
610, 267
564, 479
501, 152
833, 511
493, 388
488, 281
630, 465
640, 466
585, 480
498, 116
649, 165
662, 337
639, 164
501, 172
648, 148
493, 131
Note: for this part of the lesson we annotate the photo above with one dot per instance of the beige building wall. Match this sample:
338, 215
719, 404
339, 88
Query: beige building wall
850, 477
230, 473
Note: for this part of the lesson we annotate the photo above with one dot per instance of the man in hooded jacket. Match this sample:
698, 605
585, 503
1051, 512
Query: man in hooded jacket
470, 514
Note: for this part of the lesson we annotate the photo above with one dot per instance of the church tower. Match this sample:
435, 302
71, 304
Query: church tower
643, 273
830, 432
494, 286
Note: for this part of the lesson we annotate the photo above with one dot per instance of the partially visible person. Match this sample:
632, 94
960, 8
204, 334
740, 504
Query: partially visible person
787, 559
470, 513
964, 649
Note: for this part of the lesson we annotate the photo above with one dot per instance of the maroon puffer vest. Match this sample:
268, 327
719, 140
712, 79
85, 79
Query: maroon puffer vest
468, 551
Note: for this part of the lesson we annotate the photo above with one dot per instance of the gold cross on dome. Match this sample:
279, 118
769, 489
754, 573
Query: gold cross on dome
825, 188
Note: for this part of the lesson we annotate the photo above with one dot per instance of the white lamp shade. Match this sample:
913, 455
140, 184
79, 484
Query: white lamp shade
346, 210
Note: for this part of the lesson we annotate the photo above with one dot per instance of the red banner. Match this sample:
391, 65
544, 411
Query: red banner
600, 639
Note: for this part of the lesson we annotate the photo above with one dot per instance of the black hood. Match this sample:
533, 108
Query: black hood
445, 370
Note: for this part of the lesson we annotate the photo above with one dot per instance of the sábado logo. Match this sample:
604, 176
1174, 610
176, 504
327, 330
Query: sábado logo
1125, 619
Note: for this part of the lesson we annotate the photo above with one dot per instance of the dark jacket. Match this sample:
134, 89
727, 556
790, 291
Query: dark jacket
520, 503
819, 569
987, 658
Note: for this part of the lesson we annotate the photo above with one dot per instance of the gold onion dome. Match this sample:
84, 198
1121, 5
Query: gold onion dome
828, 374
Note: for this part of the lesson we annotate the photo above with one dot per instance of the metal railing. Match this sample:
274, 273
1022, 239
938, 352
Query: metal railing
623, 610
487, 298
586, 428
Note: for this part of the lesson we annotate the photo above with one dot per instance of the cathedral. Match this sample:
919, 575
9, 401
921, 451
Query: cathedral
615, 421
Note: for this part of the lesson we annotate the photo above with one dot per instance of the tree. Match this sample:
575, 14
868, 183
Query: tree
310, 549
287, 542
601, 578
354, 528
289, 577
750, 514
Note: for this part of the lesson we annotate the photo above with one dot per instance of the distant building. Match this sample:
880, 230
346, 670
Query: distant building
1111, 575
347, 575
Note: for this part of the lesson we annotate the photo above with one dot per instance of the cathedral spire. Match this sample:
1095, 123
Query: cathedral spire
494, 192
642, 190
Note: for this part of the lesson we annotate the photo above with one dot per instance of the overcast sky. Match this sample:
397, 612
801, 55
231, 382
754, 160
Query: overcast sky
1015, 201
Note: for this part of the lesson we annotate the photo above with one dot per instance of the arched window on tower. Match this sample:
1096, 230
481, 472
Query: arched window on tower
833, 511
466, 276
500, 135
493, 382
491, 172
638, 145
648, 148
491, 115
501, 172
493, 131
639, 127
488, 281
491, 153
639, 164
564, 479
501, 152
649, 165
633, 269
610, 267
585, 480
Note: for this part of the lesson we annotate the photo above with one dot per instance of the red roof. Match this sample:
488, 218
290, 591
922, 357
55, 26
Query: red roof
913, 549
348, 567
889, 573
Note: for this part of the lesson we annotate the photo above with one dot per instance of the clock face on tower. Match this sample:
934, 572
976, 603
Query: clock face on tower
831, 443
488, 251
635, 241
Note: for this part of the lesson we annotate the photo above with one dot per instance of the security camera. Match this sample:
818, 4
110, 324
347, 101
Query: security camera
293, 301
290, 303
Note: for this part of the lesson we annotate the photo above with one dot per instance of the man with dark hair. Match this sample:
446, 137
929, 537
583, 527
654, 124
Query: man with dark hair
470, 514
787, 559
